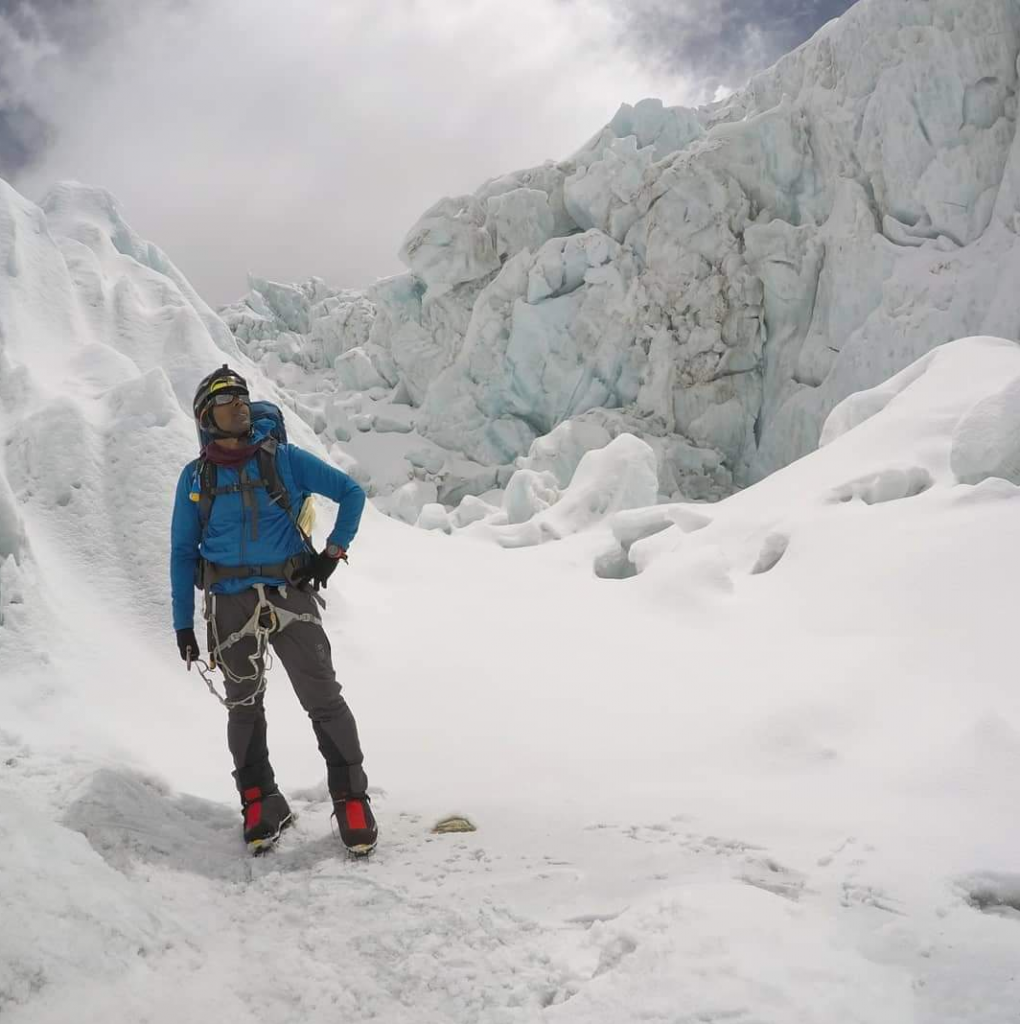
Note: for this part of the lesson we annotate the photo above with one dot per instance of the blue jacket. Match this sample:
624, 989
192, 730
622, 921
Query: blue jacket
228, 535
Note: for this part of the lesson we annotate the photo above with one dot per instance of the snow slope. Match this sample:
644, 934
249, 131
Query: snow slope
714, 281
752, 762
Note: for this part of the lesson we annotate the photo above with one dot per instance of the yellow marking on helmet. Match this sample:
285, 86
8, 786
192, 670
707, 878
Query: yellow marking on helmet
221, 384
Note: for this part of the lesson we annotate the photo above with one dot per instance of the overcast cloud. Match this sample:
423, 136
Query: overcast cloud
720, 42
306, 138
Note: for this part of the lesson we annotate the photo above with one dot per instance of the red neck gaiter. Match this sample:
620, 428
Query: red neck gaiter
232, 458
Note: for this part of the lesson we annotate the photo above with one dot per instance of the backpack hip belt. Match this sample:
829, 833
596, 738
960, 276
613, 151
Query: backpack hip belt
208, 574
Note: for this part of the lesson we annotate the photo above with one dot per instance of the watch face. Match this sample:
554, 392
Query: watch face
333, 550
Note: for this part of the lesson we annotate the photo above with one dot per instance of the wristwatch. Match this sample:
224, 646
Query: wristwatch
335, 551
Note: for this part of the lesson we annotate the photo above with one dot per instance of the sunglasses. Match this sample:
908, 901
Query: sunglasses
223, 399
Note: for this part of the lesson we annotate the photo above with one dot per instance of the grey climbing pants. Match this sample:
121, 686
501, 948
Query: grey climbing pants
304, 651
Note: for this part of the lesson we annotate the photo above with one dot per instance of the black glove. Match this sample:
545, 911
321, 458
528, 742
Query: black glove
319, 568
186, 639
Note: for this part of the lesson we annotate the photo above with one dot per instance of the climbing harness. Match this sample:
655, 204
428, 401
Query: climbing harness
266, 619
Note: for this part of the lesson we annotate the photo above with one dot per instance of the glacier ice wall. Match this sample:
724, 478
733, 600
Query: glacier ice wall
715, 280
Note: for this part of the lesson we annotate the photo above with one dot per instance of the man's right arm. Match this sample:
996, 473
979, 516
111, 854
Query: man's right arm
185, 535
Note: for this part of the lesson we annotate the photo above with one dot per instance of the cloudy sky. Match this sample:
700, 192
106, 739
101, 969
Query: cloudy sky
306, 138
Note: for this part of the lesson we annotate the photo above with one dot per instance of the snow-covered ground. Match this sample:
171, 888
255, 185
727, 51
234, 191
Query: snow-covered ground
756, 761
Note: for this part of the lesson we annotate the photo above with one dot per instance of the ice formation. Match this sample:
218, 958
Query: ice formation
716, 280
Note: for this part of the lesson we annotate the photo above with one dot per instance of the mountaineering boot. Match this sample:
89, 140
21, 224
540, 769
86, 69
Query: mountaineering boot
266, 815
356, 822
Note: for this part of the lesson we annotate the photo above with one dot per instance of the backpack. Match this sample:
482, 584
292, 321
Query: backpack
269, 476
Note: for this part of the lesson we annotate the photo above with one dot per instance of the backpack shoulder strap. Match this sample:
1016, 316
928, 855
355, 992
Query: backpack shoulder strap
266, 456
274, 485
270, 479
206, 492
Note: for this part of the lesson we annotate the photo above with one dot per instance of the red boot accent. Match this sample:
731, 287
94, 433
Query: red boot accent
252, 807
356, 814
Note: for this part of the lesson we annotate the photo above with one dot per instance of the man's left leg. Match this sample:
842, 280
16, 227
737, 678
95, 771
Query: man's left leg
304, 650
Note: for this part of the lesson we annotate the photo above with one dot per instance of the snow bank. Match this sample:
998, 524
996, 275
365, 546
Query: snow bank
947, 419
